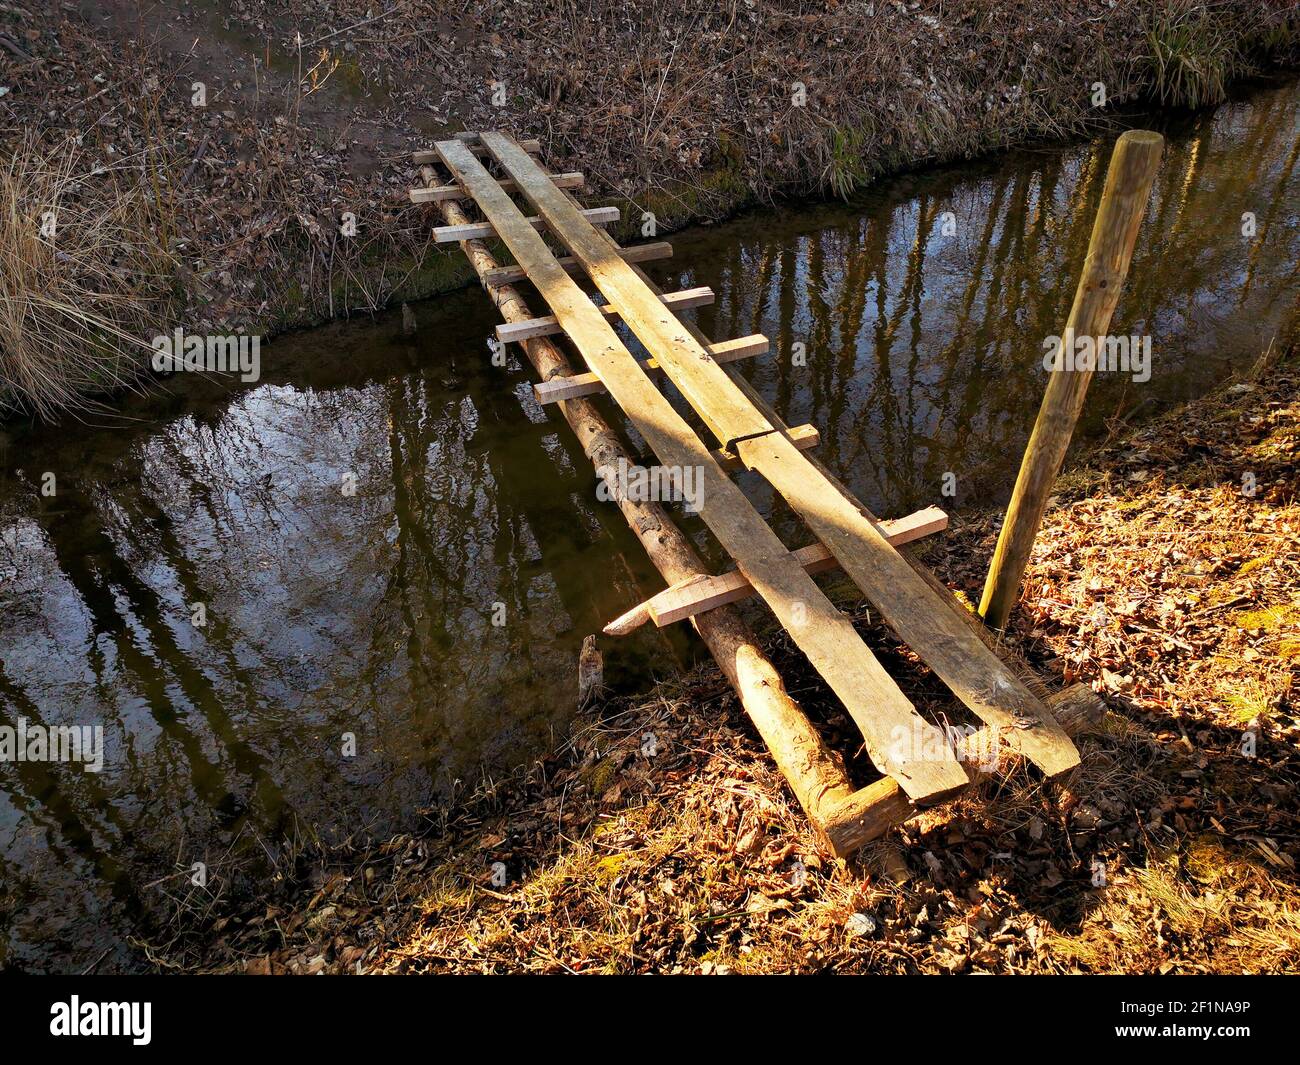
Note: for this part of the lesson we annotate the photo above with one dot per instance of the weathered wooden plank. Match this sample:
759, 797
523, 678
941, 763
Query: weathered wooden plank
814, 773
438, 193
872, 811
909, 606
975, 674
685, 600
549, 325
705, 385
588, 384
824, 634
483, 230
638, 253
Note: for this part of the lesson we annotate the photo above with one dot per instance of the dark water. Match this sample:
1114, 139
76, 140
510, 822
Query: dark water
372, 614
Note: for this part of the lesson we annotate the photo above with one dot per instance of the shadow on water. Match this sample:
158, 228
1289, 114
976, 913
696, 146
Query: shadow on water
921, 308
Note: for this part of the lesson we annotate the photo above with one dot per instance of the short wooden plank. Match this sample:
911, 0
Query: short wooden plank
549, 325
910, 607
824, 634
483, 230
639, 253
588, 384
437, 193
704, 384
425, 158
685, 600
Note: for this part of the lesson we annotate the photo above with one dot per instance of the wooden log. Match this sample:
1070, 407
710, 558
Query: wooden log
823, 633
549, 325
638, 253
693, 597
483, 230
571, 180
1123, 203
872, 811
588, 384
815, 774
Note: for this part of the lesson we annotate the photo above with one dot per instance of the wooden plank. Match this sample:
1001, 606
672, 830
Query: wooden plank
909, 606
975, 675
872, 811
695, 596
638, 253
423, 158
438, 193
588, 384
814, 774
824, 634
483, 230
549, 325
702, 381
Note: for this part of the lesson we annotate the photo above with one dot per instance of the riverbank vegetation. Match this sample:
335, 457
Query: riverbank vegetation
660, 838
85, 276
248, 136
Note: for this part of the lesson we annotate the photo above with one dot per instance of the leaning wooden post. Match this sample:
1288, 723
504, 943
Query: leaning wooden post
1123, 203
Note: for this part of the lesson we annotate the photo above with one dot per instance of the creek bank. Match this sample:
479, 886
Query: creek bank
304, 128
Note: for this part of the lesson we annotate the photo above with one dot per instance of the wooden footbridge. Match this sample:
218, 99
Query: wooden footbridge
523, 207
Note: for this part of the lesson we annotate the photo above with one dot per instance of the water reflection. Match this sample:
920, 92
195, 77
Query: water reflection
370, 613
924, 344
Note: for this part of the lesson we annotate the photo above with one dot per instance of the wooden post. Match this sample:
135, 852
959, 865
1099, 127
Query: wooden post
1123, 203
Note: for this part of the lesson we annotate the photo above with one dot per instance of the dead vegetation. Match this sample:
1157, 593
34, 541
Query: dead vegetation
85, 277
684, 110
660, 838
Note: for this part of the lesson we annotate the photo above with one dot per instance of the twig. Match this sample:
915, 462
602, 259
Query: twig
354, 26
198, 157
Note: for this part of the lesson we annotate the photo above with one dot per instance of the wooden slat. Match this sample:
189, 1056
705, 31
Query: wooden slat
909, 606
638, 253
685, 600
549, 325
483, 230
437, 193
588, 384
824, 634
423, 158
704, 384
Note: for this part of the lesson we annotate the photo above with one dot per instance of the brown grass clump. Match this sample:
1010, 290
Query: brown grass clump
84, 278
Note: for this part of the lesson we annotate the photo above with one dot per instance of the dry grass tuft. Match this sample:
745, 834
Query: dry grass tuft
84, 278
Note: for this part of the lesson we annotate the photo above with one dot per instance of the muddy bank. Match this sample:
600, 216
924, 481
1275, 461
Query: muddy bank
659, 837
272, 145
